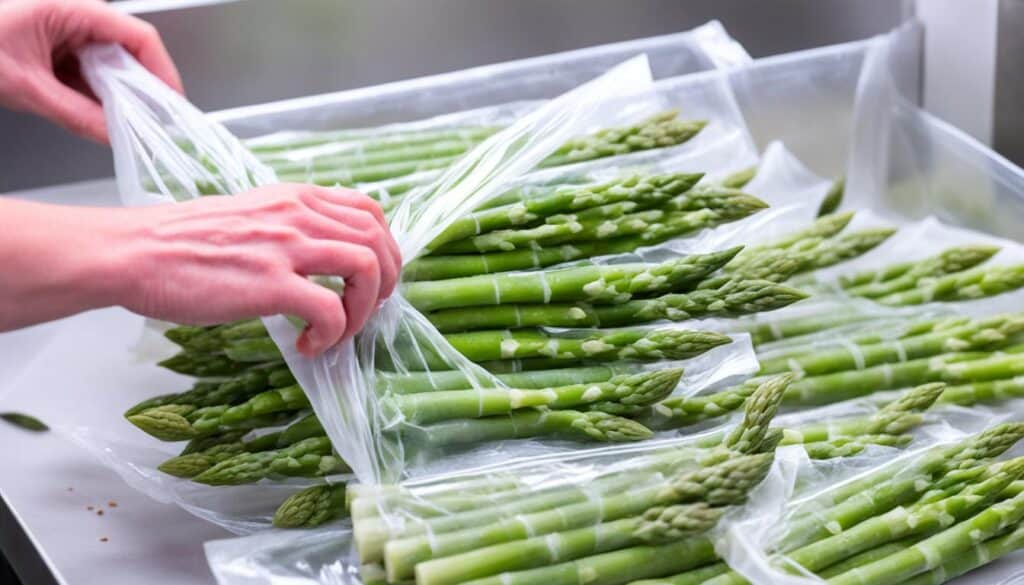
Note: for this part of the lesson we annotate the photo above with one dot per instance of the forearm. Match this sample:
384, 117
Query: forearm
56, 261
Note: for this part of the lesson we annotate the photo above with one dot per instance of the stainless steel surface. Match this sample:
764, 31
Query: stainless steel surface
1008, 121
254, 51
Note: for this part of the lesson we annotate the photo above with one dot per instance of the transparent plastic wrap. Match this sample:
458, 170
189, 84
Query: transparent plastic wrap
906, 518
381, 433
617, 514
177, 163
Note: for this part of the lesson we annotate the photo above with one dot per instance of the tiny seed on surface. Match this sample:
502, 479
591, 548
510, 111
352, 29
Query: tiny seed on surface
90, 508
104, 539
99, 512
112, 504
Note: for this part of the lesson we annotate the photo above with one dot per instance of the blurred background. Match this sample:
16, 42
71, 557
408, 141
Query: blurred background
241, 52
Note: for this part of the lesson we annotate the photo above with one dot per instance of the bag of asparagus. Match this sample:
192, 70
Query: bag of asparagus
617, 515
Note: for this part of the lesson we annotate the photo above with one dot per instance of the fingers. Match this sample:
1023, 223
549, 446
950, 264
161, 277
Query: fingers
360, 268
140, 38
69, 109
320, 308
357, 225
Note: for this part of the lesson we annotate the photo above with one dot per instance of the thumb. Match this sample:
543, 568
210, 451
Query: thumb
68, 108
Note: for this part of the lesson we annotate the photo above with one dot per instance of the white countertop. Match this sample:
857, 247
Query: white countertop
148, 541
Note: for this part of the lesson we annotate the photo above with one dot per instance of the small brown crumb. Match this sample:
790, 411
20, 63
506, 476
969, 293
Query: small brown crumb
71, 489
90, 508
99, 512
112, 504
104, 539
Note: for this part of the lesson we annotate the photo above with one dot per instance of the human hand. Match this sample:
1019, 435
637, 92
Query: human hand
212, 260
219, 259
39, 70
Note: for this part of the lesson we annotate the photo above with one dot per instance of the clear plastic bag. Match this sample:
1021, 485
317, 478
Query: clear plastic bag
150, 161
446, 512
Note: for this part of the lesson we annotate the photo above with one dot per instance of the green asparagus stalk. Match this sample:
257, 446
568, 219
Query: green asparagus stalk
311, 507
24, 421
980, 335
608, 221
443, 149
636, 189
616, 567
932, 552
205, 452
206, 393
734, 298
965, 286
822, 228
984, 392
868, 556
415, 382
769, 331
308, 458
268, 147
633, 390
459, 265
482, 346
981, 554
366, 173
901, 277
569, 424
202, 365
613, 283
659, 131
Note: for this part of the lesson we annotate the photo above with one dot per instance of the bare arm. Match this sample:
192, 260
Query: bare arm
208, 261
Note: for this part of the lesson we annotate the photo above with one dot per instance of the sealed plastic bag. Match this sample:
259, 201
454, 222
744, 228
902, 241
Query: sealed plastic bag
603, 513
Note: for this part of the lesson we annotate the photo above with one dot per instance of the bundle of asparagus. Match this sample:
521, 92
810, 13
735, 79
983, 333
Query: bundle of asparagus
336, 158
497, 529
903, 523
953, 275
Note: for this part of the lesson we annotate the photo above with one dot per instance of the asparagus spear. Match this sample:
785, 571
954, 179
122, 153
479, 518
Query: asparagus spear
311, 507
735, 297
659, 131
366, 173
636, 189
637, 389
480, 346
206, 393
612, 283
980, 335
459, 265
276, 145
823, 227
965, 561
415, 382
613, 220
984, 392
307, 458
205, 452
357, 158
904, 276
570, 424
202, 365
965, 286
932, 552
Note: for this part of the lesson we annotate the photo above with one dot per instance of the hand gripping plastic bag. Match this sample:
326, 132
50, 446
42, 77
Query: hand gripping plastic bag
200, 157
